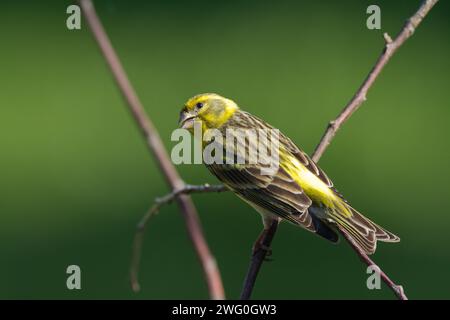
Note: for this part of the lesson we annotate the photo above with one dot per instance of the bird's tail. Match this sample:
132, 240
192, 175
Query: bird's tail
362, 230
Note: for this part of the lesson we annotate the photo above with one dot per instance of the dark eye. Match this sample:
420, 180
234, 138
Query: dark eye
199, 105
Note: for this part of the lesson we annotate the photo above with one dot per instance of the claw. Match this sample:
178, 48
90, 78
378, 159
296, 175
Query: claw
259, 246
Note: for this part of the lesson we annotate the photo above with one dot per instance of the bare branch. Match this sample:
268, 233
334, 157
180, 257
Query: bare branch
137, 246
210, 269
390, 48
398, 290
257, 258
190, 188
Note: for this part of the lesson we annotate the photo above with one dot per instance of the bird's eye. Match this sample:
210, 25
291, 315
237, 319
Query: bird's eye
199, 105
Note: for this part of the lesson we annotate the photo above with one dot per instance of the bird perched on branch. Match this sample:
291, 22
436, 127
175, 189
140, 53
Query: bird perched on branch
297, 191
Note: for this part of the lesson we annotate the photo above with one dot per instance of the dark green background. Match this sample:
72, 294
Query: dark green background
76, 176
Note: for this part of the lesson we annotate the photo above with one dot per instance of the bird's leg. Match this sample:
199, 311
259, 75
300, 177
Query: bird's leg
259, 244
264, 239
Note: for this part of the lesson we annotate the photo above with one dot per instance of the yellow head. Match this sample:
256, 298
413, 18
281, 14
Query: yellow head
210, 109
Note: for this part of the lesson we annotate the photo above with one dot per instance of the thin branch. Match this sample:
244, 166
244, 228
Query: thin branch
140, 229
210, 269
390, 48
398, 290
258, 256
190, 188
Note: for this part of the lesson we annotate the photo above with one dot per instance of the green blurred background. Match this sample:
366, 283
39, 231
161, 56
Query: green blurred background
76, 175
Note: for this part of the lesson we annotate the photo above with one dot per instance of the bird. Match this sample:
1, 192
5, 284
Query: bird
297, 191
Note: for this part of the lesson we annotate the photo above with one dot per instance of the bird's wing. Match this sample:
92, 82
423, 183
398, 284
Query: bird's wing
277, 193
291, 147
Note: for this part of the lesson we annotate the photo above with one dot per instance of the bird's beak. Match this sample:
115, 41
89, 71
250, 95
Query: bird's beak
186, 120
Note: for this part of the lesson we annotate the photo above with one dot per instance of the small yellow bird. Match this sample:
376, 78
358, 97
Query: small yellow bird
298, 191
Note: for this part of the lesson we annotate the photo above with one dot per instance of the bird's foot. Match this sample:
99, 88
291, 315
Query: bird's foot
259, 245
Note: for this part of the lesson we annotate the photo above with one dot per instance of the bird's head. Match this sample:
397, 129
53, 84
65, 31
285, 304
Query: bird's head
210, 109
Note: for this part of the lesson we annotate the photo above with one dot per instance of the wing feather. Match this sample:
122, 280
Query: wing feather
276, 193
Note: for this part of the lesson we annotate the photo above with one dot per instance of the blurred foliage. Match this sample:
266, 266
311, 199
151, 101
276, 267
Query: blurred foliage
76, 175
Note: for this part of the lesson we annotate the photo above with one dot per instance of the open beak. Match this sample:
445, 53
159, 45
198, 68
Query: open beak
186, 120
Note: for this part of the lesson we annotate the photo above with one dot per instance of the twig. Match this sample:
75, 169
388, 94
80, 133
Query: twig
398, 290
190, 188
156, 146
140, 230
390, 48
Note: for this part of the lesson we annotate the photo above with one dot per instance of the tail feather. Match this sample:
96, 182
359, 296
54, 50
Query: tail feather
365, 232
